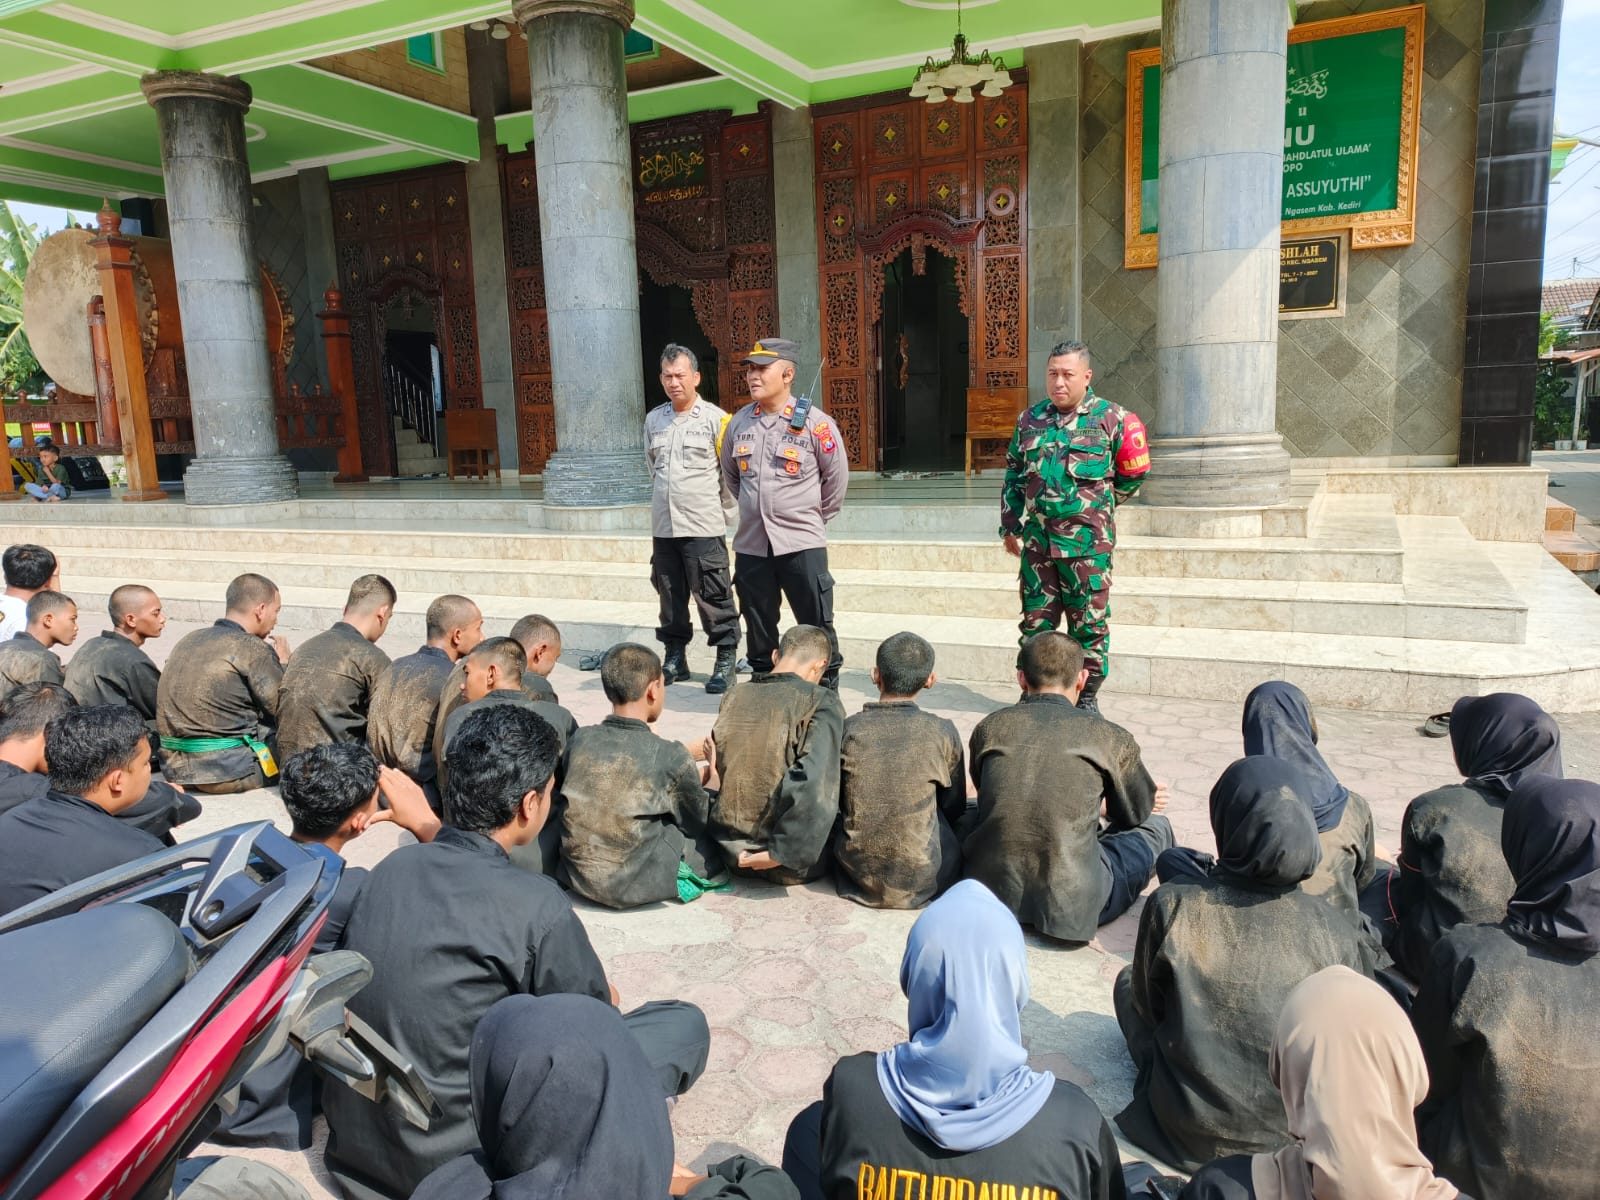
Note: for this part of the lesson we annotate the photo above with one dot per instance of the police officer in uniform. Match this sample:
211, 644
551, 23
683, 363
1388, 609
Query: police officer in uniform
688, 555
784, 461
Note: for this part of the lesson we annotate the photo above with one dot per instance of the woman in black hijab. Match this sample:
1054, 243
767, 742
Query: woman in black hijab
1215, 960
1451, 871
1278, 723
568, 1108
1507, 1016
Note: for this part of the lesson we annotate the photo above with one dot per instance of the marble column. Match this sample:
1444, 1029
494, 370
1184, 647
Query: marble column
794, 193
591, 274
207, 177
1055, 255
1213, 440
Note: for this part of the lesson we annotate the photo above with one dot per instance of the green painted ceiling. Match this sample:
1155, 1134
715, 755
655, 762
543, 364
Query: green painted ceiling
73, 125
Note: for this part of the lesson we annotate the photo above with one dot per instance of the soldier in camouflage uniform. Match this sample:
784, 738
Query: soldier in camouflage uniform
1072, 460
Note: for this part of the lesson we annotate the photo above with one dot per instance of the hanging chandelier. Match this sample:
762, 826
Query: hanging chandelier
960, 73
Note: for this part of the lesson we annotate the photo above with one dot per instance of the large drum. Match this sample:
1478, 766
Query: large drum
62, 280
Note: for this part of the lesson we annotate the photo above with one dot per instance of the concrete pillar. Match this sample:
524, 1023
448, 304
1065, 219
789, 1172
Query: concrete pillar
486, 75
322, 262
1213, 440
795, 195
591, 275
1055, 252
207, 177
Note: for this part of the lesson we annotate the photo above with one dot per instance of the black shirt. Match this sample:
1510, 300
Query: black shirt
405, 706
25, 659
326, 690
163, 807
56, 840
450, 927
110, 669
220, 682
1066, 1151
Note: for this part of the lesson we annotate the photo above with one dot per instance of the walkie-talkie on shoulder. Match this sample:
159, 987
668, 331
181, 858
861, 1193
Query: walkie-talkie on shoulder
802, 404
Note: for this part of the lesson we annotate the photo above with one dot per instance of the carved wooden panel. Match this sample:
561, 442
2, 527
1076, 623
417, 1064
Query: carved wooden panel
703, 219
893, 176
406, 233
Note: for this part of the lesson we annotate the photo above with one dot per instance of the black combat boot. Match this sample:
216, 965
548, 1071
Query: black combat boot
725, 672
674, 666
1086, 698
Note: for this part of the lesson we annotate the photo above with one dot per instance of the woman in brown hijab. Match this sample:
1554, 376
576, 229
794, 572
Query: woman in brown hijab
1350, 1072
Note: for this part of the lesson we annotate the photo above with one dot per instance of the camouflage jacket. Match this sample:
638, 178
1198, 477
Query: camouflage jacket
1066, 474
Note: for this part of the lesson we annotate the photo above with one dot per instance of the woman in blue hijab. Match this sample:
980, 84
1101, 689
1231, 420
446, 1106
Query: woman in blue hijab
956, 1101
1278, 724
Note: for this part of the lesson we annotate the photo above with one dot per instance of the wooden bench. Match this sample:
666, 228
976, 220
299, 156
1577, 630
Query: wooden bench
992, 415
470, 434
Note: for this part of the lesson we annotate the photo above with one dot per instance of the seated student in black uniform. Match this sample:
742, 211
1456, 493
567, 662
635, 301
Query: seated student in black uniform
1215, 959
955, 1111
493, 672
1507, 1014
902, 788
565, 1106
452, 926
777, 748
99, 767
1047, 773
30, 657
24, 773
1350, 1072
114, 668
1451, 870
1278, 722
331, 793
633, 821
541, 646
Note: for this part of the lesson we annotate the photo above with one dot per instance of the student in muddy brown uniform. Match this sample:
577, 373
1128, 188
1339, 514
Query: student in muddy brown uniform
328, 682
1278, 722
404, 713
1451, 870
1046, 773
113, 668
636, 807
902, 788
493, 675
1507, 1015
217, 704
30, 657
777, 749
1214, 962
541, 642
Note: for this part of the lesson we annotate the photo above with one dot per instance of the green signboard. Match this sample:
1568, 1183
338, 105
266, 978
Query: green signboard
1349, 135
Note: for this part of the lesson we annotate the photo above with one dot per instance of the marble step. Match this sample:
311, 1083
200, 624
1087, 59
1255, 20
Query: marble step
1381, 673
1273, 559
1272, 605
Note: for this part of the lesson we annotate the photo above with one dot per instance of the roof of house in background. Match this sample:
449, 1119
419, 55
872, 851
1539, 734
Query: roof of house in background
1569, 299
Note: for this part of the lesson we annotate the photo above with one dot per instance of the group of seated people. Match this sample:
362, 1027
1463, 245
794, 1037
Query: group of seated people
1304, 1020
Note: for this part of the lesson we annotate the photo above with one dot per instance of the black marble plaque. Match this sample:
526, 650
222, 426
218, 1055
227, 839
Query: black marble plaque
1311, 276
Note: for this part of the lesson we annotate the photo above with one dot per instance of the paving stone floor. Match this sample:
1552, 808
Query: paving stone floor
791, 980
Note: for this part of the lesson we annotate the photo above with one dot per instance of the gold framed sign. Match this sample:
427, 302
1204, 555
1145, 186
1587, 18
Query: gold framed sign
1312, 272
1352, 111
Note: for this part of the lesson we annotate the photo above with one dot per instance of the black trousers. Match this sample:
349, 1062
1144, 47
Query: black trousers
698, 567
802, 579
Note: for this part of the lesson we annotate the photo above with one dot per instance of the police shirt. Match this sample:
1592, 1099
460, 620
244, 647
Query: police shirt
682, 449
788, 484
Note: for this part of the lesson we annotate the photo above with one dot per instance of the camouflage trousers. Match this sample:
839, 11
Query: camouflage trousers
1078, 589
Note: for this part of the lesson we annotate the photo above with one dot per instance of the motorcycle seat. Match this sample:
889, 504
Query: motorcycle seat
73, 992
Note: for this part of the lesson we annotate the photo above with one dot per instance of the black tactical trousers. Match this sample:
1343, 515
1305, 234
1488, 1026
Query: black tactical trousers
698, 567
802, 579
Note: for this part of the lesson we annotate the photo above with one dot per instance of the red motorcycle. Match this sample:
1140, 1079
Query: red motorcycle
135, 1001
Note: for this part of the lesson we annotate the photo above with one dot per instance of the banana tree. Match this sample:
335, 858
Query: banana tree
19, 369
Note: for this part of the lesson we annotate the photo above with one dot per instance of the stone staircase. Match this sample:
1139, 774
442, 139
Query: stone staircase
1358, 604
413, 456
1577, 549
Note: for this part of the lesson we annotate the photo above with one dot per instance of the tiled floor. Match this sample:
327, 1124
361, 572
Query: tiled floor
792, 980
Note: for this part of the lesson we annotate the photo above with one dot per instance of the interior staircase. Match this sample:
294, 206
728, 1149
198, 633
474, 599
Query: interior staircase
1359, 605
414, 457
